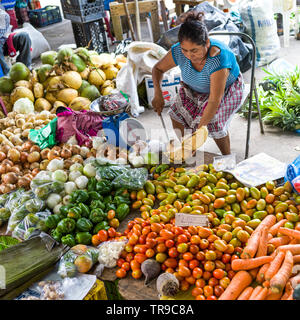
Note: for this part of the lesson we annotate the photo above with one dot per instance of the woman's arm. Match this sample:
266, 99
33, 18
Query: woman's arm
217, 87
163, 65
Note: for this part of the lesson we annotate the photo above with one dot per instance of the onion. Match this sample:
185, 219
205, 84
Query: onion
75, 149
23, 182
8, 162
28, 175
13, 155
16, 169
66, 153
6, 188
27, 145
2, 168
35, 171
2, 156
53, 154
33, 157
84, 152
23, 156
10, 178
44, 164
77, 158
44, 153
5, 148
68, 163
26, 165
34, 165
35, 148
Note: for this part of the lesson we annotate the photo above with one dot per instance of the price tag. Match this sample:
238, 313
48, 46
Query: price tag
185, 220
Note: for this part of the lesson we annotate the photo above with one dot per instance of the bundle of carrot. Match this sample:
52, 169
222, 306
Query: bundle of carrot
266, 277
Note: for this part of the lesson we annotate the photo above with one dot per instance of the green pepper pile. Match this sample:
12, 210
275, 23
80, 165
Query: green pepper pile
86, 213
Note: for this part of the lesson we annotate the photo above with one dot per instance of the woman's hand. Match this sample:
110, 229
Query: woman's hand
158, 103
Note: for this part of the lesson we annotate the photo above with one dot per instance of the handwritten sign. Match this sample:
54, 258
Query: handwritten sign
185, 220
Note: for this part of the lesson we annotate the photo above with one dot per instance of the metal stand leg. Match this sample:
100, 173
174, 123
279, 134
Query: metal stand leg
258, 108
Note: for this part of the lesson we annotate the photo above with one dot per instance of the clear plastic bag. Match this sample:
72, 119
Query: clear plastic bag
43, 188
111, 102
109, 252
79, 258
110, 172
132, 179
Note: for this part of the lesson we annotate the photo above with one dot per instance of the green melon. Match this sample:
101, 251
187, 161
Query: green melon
6, 85
19, 72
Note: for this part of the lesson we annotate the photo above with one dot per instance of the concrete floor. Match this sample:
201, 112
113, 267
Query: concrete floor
284, 146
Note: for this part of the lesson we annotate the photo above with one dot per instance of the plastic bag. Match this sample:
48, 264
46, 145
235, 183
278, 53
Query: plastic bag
113, 101
111, 171
31, 223
109, 252
43, 188
44, 137
133, 179
293, 171
79, 258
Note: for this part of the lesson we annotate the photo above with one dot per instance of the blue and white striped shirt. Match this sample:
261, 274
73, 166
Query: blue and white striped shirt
4, 26
200, 80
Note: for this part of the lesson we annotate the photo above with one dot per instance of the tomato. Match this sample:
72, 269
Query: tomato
200, 283
169, 243
95, 240
134, 265
184, 285
146, 230
212, 297
111, 232
213, 282
191, 280
170, 270
126, 266
226, 258
136, 274
166, 234
233, 257
231, 274
208, 291
129, 256
206, 275
200, 297
111, 214
140, 248
184, 271
182, 238
161, 257
152, 235
102, 235
161, 247
140, 257
133, 239
194, 249
210, 255
171, 263
121, 273
182, 247
151, 243
130, 224
203, 244
195, 239
149, 253
218, 290
224, 282
173, 253
192, 230
156, 227
142, 239
188, 256
120, 261
182, 262
197, 273
219, 273
197, 291
200, 256
193, 264
209, 266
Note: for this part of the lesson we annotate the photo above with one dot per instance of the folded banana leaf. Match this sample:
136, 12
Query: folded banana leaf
27, 259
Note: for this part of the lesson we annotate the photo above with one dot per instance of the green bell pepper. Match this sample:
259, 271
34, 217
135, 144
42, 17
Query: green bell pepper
56, 234
66, 225
91, 186
83, 238
85, 211
104, 186
122, 211
84, 224
100, 226
120, 200
110, 206
97, 215
64, 210
74, 213
107, 199
78, 196
68, 240
94, 195
97, 204
52, 221
122, 192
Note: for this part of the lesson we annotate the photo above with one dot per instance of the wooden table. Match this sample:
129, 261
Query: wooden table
179, 3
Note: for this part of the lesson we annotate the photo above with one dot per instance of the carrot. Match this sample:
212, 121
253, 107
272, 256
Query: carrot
261, 273
262, 294
296, 258
263, 242
295, 280
273, 296
248, 264
289, 232
274, 229
280, 241
294, 248
252, 246
279, 280
255, 292
245, 295
274, 266
287, 292
294, 241
269, 236
253, 272
239, 282
266, 284
268, 222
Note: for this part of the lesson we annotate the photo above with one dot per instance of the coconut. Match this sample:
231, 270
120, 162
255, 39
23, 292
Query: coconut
85, 74
6, 85
72, 79
106, 91
34, 77
83, 53
42, 104
38, 90
58, 103
24, 83
107, 83
21, 92
55, 83
77, 63
97, 77
64, 54
80, 103
19, 72
44, 72
49, 57
84, 84
51, 97
67, 95
91, 92
111, 72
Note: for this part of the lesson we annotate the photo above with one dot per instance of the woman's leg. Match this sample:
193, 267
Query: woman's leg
178, 128
224, 145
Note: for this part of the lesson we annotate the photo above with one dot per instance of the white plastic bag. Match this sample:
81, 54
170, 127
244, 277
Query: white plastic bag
258, 18
39, 44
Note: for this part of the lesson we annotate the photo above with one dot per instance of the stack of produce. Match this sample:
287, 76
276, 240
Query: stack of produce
207, 259
72, 78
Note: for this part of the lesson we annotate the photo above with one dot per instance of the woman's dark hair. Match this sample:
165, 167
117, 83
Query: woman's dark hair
193, 28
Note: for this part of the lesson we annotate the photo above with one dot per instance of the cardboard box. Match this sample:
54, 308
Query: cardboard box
170, 86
